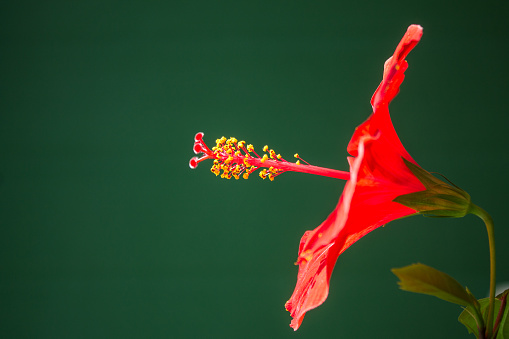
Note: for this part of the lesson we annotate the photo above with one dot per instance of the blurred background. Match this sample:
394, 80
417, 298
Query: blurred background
105, 232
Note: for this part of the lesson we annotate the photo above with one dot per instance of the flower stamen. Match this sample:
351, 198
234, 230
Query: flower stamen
232, 158
296, 155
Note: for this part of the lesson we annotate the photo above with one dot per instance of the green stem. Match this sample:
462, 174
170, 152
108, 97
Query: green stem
491, 237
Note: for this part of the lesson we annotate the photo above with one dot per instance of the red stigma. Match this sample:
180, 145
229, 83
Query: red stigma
193, 163
198, 136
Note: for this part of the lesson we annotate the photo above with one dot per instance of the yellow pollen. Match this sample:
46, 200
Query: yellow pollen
307, 255
232, 158
296, 155
298, 162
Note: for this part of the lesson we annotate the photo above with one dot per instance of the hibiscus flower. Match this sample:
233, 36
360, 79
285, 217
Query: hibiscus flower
384, 183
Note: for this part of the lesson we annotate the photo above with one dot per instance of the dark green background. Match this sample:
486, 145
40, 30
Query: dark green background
107, 233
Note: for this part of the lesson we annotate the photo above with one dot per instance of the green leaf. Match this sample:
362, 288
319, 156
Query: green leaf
467, 318
423, 279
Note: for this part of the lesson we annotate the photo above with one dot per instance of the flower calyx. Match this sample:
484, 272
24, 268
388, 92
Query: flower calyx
440, 199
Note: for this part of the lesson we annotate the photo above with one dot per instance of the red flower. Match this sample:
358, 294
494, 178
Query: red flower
384, 183
378, 175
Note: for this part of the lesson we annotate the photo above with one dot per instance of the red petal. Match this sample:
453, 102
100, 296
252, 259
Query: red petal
377, 176
395, 67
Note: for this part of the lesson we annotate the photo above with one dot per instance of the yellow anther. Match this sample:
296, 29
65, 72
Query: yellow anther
237, 153
226, 175
227, 161
263, 174
245, 175
296, 155
246, 162
216, 162
307, 255
265, 157
250, 148
236, 176
271, 177
272, 154
279, 156
298, 162
241, 143
265, 148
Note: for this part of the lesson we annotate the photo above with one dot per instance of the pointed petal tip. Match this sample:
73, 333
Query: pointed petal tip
412, 36
295, 324
414, 28
414, 32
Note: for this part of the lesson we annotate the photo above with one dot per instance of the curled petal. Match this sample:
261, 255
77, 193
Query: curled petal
395, 67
